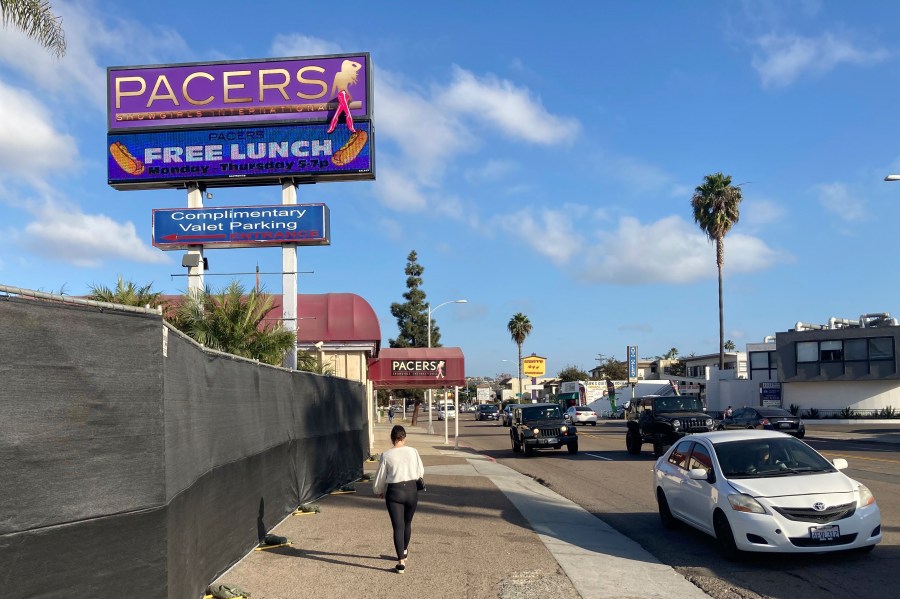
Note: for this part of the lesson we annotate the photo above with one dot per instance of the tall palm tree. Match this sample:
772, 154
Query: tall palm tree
36, 19
519, 327
716, 209
232, 322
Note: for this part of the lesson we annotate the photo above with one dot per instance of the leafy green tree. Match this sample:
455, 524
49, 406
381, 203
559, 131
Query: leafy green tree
127, 294
572, 373
729, 345
233, 322
36, 19
616, 370
716, 206
412, 322
519, 328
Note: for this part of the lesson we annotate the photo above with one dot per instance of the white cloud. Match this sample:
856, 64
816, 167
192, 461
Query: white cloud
756, 214
785, 58
551, 233
837, 199
670, 250
76, 75
30, 147
512, 109
65, 234
639, 176
399, 192
491, 170
296, 44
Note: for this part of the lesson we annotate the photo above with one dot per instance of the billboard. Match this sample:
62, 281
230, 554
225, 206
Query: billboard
239, 156
223, 94
241, 226
534, 366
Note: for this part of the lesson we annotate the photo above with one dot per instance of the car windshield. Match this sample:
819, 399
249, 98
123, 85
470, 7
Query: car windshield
541, 413
488, 408
772, 456
678, 403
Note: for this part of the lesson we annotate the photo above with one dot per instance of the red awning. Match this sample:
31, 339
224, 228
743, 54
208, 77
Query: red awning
418, 368
335, 317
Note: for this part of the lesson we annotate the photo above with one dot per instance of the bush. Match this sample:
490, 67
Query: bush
887, 412
812, 413
795, 409
847, 413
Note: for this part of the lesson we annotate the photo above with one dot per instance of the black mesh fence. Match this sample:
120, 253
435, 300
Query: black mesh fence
132, 459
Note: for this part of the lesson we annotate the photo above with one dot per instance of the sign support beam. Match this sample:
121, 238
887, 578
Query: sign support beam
195, 273
289, 279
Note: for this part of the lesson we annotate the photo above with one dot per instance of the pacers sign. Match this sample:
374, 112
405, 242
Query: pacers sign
534, 366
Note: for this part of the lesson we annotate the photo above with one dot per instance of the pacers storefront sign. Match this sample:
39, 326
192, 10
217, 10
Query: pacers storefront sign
412, 368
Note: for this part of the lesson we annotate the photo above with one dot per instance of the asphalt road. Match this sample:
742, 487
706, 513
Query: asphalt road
617, 488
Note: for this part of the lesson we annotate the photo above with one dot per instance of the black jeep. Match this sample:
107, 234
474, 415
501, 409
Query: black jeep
663, 420
541, 426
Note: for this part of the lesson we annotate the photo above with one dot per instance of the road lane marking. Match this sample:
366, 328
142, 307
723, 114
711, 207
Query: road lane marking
858, 457
594, 455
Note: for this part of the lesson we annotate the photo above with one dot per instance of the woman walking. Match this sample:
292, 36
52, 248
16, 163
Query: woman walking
398, 470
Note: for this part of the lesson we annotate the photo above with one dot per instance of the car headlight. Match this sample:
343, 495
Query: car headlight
563, 429
536, 431
741, 502
865, 496
709, 423
676, 424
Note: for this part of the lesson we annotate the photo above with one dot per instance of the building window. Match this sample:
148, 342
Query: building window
855, 350
881, 348
763, 364
831, 351
808, 351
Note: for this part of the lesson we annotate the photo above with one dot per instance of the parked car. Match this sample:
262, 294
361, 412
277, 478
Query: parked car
581, 415
764, 491
487, 411
763, 417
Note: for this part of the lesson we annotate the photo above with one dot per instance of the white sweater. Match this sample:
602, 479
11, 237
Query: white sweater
397, 465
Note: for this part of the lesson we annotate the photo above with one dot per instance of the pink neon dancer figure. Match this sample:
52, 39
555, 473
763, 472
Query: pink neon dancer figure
343, 106
440, 373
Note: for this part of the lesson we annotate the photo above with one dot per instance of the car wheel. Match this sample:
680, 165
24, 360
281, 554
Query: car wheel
665, 514
802, 434
658, 447
632, 443
721, 427
594, 423
573, 447
515, 446
725, 538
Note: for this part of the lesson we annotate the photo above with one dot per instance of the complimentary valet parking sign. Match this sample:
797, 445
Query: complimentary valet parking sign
241, 226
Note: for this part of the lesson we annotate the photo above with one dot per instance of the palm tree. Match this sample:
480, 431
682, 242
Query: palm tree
519, 327
37, 20
232, 322
716, 209
127, 294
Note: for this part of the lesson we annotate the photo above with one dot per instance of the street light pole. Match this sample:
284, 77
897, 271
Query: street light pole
430, 310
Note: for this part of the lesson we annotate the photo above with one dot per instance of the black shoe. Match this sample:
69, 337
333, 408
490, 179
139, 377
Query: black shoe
400, 568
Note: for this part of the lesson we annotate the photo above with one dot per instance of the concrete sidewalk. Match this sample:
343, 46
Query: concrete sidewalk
481, 530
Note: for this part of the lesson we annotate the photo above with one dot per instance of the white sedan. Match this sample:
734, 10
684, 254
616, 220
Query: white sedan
764, 491
581, 415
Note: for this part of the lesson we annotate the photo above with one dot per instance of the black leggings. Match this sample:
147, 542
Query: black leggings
402, 499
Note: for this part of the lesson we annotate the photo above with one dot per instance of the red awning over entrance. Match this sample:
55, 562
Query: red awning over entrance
418, 368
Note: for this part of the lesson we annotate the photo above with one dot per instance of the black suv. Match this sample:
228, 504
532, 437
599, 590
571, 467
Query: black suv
663, 420
541, 426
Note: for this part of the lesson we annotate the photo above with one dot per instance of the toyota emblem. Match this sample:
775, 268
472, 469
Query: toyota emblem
818, 506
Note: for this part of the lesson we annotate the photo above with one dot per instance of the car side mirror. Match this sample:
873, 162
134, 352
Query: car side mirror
698, 474
840, 463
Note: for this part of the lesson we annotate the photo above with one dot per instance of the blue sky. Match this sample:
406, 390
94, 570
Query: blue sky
540, 159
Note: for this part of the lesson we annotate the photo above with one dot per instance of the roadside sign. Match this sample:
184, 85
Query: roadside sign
770, 395
241, 226
632, 363
534, 366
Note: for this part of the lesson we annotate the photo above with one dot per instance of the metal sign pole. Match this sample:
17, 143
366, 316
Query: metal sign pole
195, 273
289, 280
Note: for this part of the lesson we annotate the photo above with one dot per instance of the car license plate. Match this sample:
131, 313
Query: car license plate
824, 533
784, 424
548, 441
